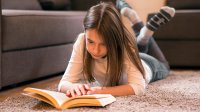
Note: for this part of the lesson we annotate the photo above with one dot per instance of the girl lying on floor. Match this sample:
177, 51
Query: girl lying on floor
109, 54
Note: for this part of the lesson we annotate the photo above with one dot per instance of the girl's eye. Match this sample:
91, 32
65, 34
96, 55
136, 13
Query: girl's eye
90, 41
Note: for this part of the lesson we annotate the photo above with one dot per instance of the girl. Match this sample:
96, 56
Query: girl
107, 53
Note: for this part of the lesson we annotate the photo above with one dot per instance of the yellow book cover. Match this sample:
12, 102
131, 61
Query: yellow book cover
61, 101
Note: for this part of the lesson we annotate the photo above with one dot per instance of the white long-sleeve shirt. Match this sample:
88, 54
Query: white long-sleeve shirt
74, 72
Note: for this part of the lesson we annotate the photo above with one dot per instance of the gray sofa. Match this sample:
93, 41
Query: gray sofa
81, 5
180, 38
35, 43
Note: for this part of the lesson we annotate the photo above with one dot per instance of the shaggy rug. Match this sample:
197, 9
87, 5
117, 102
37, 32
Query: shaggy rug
179, 92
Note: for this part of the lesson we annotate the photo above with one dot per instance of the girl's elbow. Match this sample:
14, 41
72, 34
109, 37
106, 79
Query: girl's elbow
138, 89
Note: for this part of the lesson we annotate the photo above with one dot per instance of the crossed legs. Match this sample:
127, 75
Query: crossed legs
145, 41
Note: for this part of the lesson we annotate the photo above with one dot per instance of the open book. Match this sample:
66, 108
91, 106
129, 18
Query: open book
61, 101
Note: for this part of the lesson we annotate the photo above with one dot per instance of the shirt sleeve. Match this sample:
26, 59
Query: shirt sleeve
74, 71
135, 78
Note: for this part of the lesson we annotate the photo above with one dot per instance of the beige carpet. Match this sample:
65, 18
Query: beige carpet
179, 92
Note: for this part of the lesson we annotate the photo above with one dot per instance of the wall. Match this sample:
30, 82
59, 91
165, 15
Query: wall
143, 7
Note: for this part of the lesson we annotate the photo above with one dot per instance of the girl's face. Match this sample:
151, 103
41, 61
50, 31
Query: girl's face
94, 44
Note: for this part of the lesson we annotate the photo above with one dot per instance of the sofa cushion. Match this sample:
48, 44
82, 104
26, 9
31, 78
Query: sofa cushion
29, 29
55, 4
78, 4
20, 66
184, 4
181, 53
21, 4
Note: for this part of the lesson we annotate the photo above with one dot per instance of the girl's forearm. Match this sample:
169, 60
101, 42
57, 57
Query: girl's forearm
122, 90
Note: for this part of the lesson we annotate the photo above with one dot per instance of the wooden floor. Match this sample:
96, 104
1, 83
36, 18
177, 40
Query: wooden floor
38, 84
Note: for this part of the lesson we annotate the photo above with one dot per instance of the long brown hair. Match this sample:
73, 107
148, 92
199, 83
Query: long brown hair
106, 19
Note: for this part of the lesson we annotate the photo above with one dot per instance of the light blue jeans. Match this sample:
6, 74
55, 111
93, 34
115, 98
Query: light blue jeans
152, 55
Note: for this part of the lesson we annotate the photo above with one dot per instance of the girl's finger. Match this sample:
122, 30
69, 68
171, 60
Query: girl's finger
82, 89
68, 93
77, 90
72, 92
87, 87
89, 92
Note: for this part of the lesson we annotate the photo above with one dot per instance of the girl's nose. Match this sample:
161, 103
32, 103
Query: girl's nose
96, 50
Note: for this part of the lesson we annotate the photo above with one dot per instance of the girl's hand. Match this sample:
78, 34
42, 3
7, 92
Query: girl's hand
78, 90
94, 90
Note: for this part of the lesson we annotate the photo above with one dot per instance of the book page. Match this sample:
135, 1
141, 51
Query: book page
39, 97
61, 97
60, 100
89, 100
81, 102
58, 96
93, 96
107, 100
